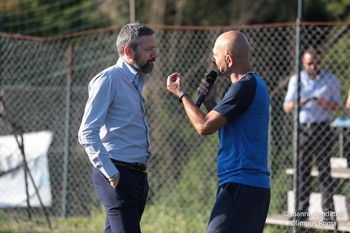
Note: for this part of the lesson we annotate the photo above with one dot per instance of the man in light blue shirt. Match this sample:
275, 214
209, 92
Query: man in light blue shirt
319, 96
114, 130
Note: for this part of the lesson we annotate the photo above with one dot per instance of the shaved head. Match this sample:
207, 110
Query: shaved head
231, 54
234, 43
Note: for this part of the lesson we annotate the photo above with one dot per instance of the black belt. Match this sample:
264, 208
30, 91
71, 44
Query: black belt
314, 124
135, 166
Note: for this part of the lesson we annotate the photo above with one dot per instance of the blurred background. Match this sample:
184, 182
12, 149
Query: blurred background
51, 18
50, 50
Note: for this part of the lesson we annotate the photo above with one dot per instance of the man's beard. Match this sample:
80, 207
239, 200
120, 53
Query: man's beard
313, 74
143, 68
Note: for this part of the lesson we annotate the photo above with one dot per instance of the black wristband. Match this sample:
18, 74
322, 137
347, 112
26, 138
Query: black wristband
182, 94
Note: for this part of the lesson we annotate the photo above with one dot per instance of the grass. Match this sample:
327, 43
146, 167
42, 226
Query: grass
92, 224
156, 219
160, 219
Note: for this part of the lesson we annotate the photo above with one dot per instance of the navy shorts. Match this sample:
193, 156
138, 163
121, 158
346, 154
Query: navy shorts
239, 209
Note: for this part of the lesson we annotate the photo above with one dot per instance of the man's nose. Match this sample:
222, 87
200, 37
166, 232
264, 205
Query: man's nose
155, 54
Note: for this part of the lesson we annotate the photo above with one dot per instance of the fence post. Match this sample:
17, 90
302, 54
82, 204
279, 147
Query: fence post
66, 130
296, 114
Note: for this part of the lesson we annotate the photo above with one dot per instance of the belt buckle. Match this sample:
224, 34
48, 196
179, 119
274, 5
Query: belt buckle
138, 167
142, 166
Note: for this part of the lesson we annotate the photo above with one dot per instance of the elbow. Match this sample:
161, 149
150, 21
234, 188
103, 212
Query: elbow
84, 136
201, 133
80, 138
204, 131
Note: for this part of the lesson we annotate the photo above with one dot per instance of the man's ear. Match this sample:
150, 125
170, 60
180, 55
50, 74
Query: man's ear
129, 52
229, 60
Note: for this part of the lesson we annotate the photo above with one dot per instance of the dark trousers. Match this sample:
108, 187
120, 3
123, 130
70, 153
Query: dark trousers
239, 209
125, 204
315, 140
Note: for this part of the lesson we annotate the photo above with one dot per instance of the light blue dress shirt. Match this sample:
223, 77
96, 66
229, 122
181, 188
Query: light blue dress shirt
114, 123
325, 85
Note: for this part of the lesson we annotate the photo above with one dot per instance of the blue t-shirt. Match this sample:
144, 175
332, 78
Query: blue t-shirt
243, 149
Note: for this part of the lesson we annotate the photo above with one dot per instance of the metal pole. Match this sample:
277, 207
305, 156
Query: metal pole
66, 132
28, 173
132, 11
21, 147
298, 55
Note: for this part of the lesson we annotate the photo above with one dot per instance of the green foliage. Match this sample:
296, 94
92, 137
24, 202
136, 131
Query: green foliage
49, 18
185, 206
315, 10
339, 9
196, 187
279, 192
335, 58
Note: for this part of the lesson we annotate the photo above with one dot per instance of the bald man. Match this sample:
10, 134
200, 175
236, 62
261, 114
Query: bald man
241, 118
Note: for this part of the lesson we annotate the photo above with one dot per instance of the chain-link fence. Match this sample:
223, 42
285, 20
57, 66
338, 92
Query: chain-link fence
44, 89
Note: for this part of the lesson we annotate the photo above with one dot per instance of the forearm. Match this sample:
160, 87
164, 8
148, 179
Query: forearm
195, 115
334, 106
209, 105
347, 111
204, 124
347, 105
97, 153
328, 104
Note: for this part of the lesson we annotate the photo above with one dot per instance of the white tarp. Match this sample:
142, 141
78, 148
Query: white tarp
12, 176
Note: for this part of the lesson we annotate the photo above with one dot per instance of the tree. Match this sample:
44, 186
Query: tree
48, 18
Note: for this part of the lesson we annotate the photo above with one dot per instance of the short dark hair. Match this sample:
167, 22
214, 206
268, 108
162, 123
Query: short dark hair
130, 34
312, 51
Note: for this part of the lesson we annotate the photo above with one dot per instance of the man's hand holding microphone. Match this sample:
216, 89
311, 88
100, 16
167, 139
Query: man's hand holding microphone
175, 86
205, 124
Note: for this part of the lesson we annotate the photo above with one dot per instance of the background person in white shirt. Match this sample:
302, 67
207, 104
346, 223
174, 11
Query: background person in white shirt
319, 96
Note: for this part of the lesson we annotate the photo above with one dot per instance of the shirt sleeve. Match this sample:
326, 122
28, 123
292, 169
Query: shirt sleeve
347, 105
292, 90
238, 98
336, 97
101, 93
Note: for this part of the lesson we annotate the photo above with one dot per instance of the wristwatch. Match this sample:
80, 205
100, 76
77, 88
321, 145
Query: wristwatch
182, 94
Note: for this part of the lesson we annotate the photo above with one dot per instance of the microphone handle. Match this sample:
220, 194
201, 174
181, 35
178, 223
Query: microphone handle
200, 100
210, 79
201, 96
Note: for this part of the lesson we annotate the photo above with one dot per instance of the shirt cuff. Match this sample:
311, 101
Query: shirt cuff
108, 169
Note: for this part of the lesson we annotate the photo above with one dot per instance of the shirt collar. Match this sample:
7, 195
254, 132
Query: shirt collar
132, 74
318, 76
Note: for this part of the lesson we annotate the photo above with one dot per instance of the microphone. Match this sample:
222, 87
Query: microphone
211, 77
